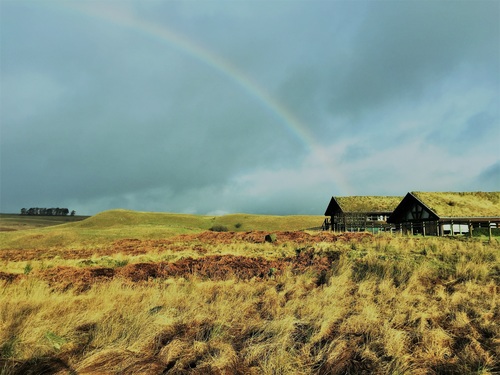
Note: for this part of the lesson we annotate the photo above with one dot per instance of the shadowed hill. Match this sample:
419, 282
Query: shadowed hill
13, 222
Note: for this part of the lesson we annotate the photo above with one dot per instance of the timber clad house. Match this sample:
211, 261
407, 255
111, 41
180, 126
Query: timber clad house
359, 213
442, 214
423, 213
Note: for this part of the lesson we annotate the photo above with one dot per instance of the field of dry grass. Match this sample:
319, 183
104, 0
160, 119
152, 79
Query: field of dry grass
200, 302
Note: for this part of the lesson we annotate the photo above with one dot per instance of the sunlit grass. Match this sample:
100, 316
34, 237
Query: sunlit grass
451, 204
386, 305
285, 324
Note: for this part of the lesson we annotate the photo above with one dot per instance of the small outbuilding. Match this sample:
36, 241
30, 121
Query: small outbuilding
359, 213
447, 213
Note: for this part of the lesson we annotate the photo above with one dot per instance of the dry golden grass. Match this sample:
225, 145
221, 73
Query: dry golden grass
384, 305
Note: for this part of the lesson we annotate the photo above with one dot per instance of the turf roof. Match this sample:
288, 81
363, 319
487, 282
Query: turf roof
466, 204
368, 203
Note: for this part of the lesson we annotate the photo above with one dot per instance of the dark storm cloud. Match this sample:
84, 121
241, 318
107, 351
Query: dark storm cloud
133, 125
402, 48
96, 114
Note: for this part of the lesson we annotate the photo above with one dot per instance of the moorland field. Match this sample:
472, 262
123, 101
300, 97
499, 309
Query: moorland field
127, 292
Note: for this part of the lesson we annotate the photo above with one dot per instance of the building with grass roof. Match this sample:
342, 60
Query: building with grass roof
359, 213
447, 213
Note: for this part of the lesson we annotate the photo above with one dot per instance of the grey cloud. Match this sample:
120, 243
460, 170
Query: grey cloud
402, 48
481, 125
489, 178
391, 57
480, 129
99, 115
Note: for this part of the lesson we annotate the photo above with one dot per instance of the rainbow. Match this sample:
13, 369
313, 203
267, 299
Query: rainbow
127, 20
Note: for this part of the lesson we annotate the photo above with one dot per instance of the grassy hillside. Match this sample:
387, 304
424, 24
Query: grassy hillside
109, 226
234, 222
246, 222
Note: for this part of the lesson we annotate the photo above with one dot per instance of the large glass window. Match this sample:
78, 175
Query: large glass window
417, 212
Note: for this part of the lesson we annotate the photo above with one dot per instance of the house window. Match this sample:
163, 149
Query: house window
417, 212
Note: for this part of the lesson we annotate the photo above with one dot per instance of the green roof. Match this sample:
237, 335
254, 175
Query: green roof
468, 204
368, 203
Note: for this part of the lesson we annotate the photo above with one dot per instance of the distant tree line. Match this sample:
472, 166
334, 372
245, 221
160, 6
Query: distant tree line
47, 211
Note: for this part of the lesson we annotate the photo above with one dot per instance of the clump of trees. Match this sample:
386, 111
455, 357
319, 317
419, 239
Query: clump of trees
47, 211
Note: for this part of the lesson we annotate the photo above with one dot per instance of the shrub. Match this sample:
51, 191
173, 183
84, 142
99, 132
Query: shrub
218, 228
28, 268
270, 237
8, 348
477, 232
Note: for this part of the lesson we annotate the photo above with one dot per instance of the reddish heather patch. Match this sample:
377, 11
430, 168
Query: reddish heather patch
196, 242
215, 267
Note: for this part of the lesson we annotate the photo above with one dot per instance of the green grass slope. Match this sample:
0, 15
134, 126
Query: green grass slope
246, 222
109, 226
233, 222
126, 218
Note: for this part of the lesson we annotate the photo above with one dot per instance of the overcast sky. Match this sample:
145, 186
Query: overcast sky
270, 107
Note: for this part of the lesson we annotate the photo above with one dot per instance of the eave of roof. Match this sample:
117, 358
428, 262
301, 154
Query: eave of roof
471, 218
